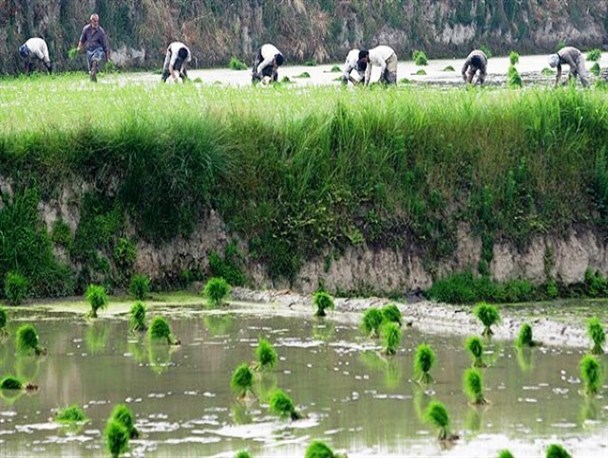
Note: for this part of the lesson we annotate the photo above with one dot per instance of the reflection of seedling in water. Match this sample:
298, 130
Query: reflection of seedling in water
11, 383
524, 359
437, 416
159, 358
219, 325
392, 371
557, 451
242, 381
473, 386
423, 363
123, 415
216, 291
505, 454
117, 438
488, 315
475, 347
138, 317
71, 414
589, 410
160, 330
473, 419
282, 405
591, 373
322, 301
266, 355
391, 337
323, 330
97, 337
98, 299
3, 321
524, 338
596, 332
392, 313
27, 367
371, 322
28, 341
318, 449
240, 414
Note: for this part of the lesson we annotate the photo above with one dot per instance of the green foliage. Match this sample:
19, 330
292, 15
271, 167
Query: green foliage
11, 383
391, 312
117, 438
137, 318
242, 454
318, 449
473, 386
335, 69
513, 78
61, 234
594, 55
97, 298
488, 315
237, 64
281, 404
371, 322
216, 291
303, 75
310, 63
595, 69
486, 50
230, 267
15, 288
322, 301
160, 330
391, 337
27, 340
513, 58
71, 414
419, 57
546, 71
449, 68
242, 380
591, 373
557, 451
266, 355
139, 286
125, 254
123, 415
423, 363
3, 320
420, 72
474, 345
505, 454
596, 332
524, 338
437, 415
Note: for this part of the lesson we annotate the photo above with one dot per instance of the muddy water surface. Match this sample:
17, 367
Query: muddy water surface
355, 400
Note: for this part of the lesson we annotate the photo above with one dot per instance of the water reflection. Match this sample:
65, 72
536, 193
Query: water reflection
219, 324
27, 367
159, 357
389, 367
524, 357
323, 329
96, 336
240, 414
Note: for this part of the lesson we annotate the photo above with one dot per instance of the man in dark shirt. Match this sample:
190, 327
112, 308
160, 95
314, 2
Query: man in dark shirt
475, 64
95, 41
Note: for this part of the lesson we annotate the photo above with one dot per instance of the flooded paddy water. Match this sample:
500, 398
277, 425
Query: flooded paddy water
356, 400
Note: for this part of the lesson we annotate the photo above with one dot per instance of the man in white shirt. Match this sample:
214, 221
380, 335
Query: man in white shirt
267, 63
35, 48
383, 57
574, 59
178, 55
351, 64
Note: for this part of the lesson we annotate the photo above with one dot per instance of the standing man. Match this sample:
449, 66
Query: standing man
383, 57
575, 59
475, 64
267, 63
351, 64
95, 41
178, 55
35, 47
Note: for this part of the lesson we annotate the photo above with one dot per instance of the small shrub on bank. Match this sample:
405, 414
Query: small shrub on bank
139, 287
216, 291
97, 297
15, 288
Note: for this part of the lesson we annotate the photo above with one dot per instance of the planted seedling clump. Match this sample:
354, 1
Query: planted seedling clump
473, 386
160, 330
423, 363
242, 454
11, 383
557, 451
242, 380
392, 313
97, 298
318, 449
216, 291
28, 341
591, 373
488, 315
138, 317
123, 415
322, 301
282, 405
524, 338
117, 438
475, 347
266, 355
71, 414
596, 332
437, 416
391, 337
371, 322
505, 454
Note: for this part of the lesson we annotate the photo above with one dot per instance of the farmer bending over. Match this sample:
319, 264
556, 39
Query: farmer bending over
178, 55
575, 59
383, 57
35, 48
351, 64
267, 63
475, 64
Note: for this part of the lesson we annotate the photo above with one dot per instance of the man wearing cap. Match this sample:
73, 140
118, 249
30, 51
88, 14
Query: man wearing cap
383, 57
351, 64
95, 41
476, 63
267, 63
35, 48
178, 55
575, 59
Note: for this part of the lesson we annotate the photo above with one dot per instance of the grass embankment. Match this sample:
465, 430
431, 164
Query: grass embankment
296, 172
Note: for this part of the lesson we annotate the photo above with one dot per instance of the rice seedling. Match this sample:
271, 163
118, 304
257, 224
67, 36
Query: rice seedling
318, 449
117, 438
98, 299
591, 373
437, 415
216, 291
27, 340
488, 315
281, 404
139, 287
419, 57
237, 64
473, 386
71, 414
15, 288
160, 330
322, 301
524, 338
3, 321
391, 338
475, 347
266, 355
505, 454
391, 312
423, 363
137, 318
371, 322
557, 451
242, 454
11, 383
596, 332
242, 381
123, 415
